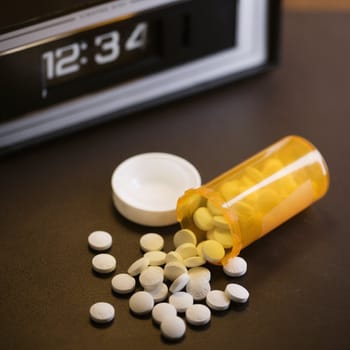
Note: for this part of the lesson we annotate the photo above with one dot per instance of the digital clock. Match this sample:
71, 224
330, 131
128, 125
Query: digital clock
78, 62
95, 52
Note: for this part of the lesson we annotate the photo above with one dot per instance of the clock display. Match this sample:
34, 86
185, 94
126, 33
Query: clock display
106, 54
99, 51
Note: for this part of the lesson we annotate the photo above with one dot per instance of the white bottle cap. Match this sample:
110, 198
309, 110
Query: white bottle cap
146, 187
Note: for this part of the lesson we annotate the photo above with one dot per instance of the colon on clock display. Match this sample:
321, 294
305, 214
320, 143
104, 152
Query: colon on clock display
98, 50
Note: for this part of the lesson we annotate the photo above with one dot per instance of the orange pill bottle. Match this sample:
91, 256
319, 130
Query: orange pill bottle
251, 199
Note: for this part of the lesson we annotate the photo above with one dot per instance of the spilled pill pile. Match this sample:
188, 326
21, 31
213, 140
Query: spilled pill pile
173, 287
219, 219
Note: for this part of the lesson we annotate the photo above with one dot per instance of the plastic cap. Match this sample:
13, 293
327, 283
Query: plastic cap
146, 187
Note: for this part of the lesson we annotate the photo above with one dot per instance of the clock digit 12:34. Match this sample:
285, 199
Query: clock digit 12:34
69, 59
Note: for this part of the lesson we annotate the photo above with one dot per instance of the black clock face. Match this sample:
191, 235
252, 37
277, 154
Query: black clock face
107, 54
101, 50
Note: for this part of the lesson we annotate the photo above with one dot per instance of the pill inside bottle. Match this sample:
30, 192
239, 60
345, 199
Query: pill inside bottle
251, 199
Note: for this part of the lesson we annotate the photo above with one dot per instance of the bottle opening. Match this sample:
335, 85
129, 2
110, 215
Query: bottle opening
203, 211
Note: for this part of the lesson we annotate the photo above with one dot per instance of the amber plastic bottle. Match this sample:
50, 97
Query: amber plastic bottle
261, 193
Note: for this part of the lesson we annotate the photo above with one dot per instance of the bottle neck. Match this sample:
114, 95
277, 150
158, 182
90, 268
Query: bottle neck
205, 196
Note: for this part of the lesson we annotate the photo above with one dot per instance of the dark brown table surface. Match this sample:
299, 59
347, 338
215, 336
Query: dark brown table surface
53, 195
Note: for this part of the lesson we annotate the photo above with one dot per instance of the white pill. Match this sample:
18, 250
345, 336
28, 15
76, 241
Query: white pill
160, 293
151, 242
223, 236
198, 315
173, 256
181, 301
100, 240
104, 263
159, 269
138, 266
237, 293
179, 283
151, 278
199, 249
155, 257
123, 283
198, 288
173, 327
203, 219
173, 270
221, 222
102, 312
184, 236
200, 272
194, 261
161, 311
187, 250
213, 251
141, 303
218, 300
235, 267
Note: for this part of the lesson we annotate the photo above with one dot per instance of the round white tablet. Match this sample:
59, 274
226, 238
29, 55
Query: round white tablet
213, 251
186, 250
173, 327
102, 312
141, 303
184, 236
151, 278
179, 283
198, 288
160, 293
104, 263
235, 267
223, 236
194, 261
199, 248
198, 315
237, 293
123, 283
203, 219
173, 256
100, 240
138, 266
159, 269
200, 272
173, 270
218, 300
221, 222
181, 301
163, 310
155, 257
151, 242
